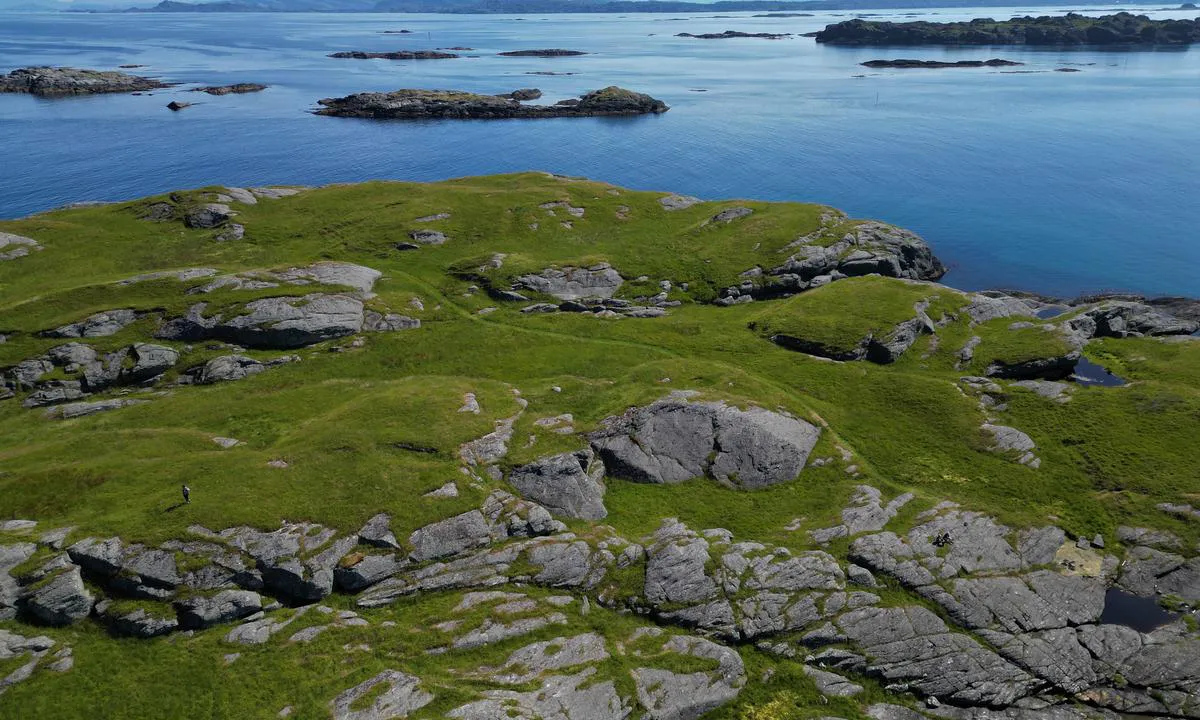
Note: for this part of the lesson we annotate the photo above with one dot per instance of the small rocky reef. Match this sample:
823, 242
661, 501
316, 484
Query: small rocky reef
235, 89
397, 55
551, 52
456, 104
1072, 29
734, 34
65, 81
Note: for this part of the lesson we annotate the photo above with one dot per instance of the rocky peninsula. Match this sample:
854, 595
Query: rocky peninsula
994, 62
456, 104
397, 55
1124, 29
66, 81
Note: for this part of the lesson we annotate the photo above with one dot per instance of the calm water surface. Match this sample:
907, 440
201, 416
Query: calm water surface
1049, 181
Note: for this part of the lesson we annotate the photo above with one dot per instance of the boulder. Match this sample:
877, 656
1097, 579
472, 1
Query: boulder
72, 353
62, 600
138, 623
1055, 367
367, 571
228, 367
378, 532
149, 361
1009, 440
671, 441
25, 374
568, 485
450, 536
205, 611
100, 558
377, 322
208, 215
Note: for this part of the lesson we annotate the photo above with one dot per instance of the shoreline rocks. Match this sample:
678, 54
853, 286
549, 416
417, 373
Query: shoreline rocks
47, 81
412, 104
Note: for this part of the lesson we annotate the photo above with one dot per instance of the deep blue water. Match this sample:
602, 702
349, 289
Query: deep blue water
1048, 181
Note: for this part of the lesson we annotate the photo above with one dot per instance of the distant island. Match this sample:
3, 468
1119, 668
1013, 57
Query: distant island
517, 7
413, 104
1120, 29
994, 62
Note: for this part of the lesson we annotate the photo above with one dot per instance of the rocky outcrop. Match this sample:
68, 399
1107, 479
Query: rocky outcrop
16, 246
1009, 440
61, 600
864, 249
98, 325
669, 695
568, 485
278, 322
1134, 319
672, 441
208, 215
1053, 367
1072, 29
456, 104
81, 409
574, 283
401, 696
65, 81
225, 606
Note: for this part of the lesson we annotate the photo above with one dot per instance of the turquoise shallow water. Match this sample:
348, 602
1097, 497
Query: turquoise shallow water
1048, 181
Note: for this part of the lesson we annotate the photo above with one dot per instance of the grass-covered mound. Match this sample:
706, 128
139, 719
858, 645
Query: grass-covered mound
375, 420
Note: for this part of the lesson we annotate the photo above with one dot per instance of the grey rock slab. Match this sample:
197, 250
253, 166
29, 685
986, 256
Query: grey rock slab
378, 532
1149, 537
276, 193
149, 361
676, 563
99, 325
389, 322
62, 601
368, 571
529, 662
913, 646
228, 605
677, 202
138, 623
81, 409
568, 484
1009, 440
560, 697
401, 697
1054, 655
831, 684
1133, 319
278, 322
225, 368
450, 536
574, 283
730, 214
103, 558
886, 711
671, 441
208, 215
16, 246
491, 632
358, 277
668, 695
72, 353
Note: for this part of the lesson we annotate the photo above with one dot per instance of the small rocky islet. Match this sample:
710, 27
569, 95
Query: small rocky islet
396, 55
728, 34
67, 81
603, 453
457, 104
1120, 29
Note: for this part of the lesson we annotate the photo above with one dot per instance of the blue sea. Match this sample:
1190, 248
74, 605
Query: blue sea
1048, 181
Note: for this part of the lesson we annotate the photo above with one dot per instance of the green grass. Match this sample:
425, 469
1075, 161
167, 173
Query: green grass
372, 429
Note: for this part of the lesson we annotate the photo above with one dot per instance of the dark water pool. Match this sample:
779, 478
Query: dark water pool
1140, 613
1089, 373
1051, 311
